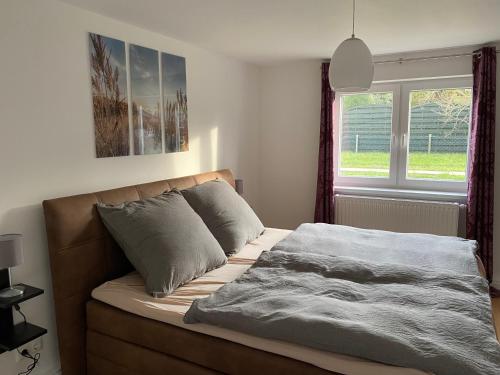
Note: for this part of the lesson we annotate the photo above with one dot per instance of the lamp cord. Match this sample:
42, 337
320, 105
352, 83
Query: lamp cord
353, 12
25, 353
32, 365
18, 309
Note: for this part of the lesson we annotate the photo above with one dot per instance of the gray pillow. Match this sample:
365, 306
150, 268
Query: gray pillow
164, 239
230, 219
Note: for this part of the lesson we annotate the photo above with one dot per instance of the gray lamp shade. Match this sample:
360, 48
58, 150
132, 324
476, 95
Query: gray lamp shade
11, 250
351, 67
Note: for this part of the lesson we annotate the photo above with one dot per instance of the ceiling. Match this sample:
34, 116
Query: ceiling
270, 31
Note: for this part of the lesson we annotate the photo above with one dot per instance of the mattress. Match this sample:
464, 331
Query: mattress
128, 293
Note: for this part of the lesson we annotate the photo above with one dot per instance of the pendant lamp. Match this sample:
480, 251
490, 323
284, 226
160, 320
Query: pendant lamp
351, 66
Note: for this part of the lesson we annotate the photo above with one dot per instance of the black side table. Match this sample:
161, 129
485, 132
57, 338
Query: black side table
13, 336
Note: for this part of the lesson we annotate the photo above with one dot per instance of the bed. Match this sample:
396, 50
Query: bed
108, 324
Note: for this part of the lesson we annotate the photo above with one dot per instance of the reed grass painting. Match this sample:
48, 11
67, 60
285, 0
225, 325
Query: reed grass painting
175, 113
109, 96
145, 96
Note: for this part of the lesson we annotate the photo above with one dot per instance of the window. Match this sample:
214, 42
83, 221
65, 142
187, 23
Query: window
366, 134
411, 135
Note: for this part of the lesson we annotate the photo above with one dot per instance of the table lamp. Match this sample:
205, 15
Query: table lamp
11, 255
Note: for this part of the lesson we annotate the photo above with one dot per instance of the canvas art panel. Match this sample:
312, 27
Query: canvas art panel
145, 96
175, 114
109, 96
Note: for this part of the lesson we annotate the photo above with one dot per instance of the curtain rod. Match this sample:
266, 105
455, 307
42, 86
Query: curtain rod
412, 59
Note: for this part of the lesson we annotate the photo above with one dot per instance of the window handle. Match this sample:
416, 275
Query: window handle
404, 140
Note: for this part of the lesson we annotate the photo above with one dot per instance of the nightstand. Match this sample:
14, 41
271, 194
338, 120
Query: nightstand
13, 336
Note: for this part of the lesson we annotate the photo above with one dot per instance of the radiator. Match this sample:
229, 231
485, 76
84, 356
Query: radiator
397, 215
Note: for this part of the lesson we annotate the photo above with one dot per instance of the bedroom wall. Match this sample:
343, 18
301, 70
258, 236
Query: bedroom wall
290, 105
47, 140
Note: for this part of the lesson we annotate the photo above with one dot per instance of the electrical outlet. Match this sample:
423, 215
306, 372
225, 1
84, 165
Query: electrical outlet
33, 347
19, 357
37, 345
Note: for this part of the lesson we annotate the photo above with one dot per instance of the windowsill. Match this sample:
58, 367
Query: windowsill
402, 193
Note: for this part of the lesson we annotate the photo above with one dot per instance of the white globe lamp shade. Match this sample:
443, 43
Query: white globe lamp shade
351, 67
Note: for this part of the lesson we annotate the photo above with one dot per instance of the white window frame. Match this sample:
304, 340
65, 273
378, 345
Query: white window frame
397, 179
369, 181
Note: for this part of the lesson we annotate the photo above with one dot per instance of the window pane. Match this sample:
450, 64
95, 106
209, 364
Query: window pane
366, 122
439, 131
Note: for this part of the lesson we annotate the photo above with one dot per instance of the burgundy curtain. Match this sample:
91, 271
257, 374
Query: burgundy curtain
324, 186
482, 156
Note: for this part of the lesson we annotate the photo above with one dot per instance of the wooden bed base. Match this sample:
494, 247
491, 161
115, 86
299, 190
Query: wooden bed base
144, 346
97, 339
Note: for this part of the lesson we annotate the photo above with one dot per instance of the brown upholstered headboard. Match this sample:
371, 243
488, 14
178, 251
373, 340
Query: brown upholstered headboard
83, 255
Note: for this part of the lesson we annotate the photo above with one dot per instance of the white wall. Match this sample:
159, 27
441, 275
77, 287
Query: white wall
47, 141
290, 104
290, 112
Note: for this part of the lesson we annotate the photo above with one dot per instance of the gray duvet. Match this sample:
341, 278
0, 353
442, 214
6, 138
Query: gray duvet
410, 300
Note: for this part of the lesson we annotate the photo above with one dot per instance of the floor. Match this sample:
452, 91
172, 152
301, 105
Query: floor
496, 312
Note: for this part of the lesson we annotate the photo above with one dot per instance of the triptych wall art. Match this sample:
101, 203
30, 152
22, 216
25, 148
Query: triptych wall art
140, 103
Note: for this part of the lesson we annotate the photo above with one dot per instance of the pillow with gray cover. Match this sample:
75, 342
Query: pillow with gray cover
164, 239
228, 216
